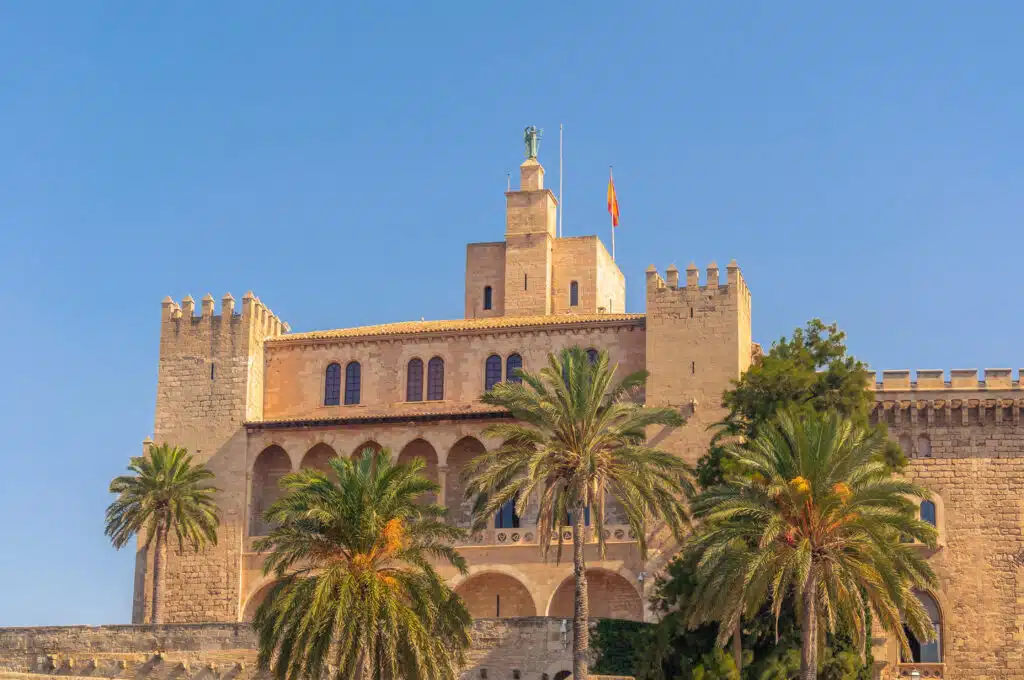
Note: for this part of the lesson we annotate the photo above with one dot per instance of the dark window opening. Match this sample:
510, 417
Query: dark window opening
435, 379
574, 294
926, 652
332, 385
592, 355
211, 371
492, 372
691, 312
693, 368
497, 606
525, 279
513, 365
414, 381
352, 380
487, 297
506, 517
928, 513
586, 517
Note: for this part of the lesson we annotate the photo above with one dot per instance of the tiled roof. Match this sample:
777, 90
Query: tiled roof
398, 413
458, 325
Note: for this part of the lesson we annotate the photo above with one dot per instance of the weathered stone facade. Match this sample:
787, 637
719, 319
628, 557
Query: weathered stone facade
256, 401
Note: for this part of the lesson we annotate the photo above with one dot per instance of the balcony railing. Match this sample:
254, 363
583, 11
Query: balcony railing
922, 670
528, 536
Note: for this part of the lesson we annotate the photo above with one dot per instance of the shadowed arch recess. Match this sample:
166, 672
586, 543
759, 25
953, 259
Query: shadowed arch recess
494, 595
460, 510
610, 596
422, 449
271, 465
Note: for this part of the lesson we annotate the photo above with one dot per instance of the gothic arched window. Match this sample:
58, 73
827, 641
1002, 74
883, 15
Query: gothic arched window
574, 294
332, 385
506, 517
926, 652
435, 379
414, 381
513, 364
492, 372
488, 297
352, 380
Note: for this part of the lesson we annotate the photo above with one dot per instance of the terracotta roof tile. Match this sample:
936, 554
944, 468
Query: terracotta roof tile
459, 325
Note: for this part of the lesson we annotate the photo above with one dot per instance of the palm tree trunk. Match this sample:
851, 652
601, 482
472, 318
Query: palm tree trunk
581, 613
809, 629
159, 569
737, 646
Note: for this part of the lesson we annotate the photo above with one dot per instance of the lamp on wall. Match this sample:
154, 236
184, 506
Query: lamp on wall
565, 634
915, 674
641, 577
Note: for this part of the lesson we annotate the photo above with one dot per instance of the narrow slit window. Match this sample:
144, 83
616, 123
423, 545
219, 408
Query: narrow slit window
574, 294
693, 368
211, 371
525, 281
488, 300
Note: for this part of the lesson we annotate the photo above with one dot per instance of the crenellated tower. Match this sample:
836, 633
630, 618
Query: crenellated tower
698, 342
209, 382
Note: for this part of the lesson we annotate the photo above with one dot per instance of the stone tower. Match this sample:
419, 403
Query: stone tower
209, 382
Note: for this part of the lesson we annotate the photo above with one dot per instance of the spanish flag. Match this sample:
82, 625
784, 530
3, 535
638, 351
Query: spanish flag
613, 202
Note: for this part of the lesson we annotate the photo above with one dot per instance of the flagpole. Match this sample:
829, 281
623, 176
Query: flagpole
613, 218
560, 202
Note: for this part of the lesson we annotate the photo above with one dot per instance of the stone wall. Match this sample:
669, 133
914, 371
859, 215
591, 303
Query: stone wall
533, 646
966, 445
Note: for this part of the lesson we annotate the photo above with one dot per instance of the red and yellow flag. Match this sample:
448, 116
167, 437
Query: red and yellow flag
613, 202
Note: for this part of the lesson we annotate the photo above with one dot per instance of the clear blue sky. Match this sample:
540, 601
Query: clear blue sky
862, 163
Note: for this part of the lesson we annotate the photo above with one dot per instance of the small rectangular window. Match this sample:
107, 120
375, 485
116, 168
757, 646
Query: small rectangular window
487, 297
211, 371
525, 279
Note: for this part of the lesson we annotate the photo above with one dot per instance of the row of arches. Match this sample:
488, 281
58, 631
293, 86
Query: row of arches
273, 463
495, 594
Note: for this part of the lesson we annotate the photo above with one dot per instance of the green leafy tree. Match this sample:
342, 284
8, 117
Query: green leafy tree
577, 438
357, 594
814, 513
809, 372
165, 495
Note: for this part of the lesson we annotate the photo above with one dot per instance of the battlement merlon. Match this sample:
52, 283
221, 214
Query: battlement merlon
934, 380
256, 315
734, 285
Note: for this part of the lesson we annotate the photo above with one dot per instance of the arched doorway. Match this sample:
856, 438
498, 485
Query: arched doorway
318, 458
271, 465
421, 448
460, 510
609, 596
493, 595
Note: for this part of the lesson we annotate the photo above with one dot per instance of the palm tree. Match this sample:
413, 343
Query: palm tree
356, 591
166, 494
817, 514
576, 439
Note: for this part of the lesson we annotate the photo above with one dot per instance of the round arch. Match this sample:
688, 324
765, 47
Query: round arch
270, 466
457, 461
495, 594
609, 596
935, 651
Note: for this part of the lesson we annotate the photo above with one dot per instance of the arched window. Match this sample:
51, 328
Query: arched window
488, 293
512, 365
592, 355
352, 383
907, 444
492, 372
928, 513
435, 379
574, 294
414, 381
332, 385
924, 446
506, 517
927, 652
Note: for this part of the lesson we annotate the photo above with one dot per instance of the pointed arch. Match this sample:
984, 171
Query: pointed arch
270, 466
422, 449
318, 457
460, 510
